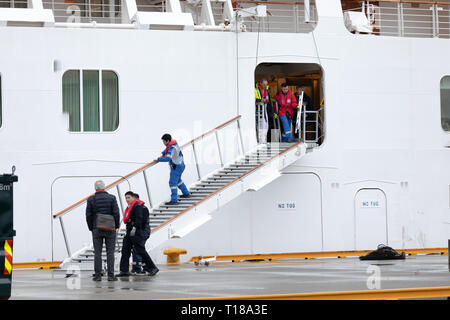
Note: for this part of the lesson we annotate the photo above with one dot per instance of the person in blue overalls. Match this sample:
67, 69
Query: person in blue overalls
174, 156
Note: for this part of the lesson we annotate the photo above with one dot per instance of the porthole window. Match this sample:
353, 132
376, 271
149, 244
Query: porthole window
91, 99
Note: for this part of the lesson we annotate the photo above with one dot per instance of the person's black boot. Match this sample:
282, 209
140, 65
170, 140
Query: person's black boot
152, 272
112, 278
123, 274
97, 277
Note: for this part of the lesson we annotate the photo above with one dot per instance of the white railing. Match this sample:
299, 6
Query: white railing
282, 16
309, 125
13, 4
407, 18
151, 6
311, 131
84, 11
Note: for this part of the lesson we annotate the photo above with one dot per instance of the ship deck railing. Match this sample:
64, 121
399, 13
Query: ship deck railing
419, 19
398, 18
282, 16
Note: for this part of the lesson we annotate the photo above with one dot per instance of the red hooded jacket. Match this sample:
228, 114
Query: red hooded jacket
286, 104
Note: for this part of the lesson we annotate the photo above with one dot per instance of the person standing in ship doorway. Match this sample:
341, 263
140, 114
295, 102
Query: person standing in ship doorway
262, 94
286, 105
103, 219
307, 102
136, 218
174, 156
137, 259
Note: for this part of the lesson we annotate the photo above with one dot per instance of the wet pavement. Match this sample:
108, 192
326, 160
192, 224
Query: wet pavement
236, 279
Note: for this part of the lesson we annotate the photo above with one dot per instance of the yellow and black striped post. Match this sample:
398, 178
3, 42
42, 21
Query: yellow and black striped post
7, 233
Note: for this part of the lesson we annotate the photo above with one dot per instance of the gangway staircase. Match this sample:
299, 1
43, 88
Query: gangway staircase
249, 172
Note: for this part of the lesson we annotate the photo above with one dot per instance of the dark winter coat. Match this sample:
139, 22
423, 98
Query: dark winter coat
139, 218
101, 203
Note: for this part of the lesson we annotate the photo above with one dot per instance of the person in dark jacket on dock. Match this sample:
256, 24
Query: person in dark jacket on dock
137, 259
136, 219
102, 203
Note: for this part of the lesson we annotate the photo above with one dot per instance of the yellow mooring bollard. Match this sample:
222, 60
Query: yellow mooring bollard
173, 255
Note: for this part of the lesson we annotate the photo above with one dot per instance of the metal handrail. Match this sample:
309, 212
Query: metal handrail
148, 165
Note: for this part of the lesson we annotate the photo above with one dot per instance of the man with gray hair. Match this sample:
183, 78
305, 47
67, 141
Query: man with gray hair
101, 208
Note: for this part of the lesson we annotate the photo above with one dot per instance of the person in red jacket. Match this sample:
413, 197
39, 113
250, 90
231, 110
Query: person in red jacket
286, 106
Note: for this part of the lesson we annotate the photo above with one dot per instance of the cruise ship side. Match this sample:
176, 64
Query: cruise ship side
87, 93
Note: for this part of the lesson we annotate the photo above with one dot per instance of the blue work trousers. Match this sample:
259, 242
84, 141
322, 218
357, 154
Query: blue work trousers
175, 182
286, 134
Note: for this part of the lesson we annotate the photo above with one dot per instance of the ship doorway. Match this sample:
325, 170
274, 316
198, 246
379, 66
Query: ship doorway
370, 219
304, 118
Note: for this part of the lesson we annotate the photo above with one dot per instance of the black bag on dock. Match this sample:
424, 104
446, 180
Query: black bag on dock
383, 252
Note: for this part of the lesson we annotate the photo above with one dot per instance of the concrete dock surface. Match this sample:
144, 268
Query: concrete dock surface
237, 279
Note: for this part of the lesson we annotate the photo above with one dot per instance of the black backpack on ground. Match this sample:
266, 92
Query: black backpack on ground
383, 252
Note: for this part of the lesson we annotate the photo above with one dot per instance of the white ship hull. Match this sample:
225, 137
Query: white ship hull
381, 175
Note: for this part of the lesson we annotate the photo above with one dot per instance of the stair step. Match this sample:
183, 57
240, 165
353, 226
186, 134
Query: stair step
217, 177
162, 217
157, 211
165, 213
257, 157
193, 196
168, 206
208, 190
242, 166
157, 223
249, 159
91, 252
267, 152
204, 188
279, 143
270, 149
83, 259
220, 178
233, 170
273, 149
193, 201
226, 173
217, 182
162, 212
201, 194
229, 176
190, 202
253, 163
211, 184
